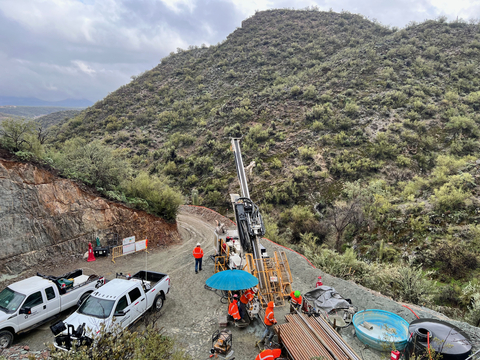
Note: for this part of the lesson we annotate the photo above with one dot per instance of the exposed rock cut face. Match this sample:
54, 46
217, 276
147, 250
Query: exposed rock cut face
43, 217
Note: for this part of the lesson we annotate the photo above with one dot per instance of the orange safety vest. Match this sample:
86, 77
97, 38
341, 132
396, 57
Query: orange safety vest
270, 354
247, 296
233, 310
197, 252
269, 316
296, 300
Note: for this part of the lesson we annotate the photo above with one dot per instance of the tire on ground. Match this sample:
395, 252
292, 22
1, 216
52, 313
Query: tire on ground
6, 339
158, 302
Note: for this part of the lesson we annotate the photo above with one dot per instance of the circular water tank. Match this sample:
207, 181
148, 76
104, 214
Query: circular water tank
446, 339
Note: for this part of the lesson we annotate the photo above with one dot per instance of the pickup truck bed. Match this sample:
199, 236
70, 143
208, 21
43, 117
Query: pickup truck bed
153, 277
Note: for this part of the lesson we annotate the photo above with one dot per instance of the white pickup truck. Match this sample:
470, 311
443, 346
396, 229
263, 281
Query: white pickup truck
116, 305
29, 303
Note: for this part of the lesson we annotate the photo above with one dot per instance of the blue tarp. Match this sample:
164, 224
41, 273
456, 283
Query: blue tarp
232, 280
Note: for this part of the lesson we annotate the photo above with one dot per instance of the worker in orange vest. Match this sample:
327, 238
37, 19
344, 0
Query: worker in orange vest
233, 308
246, 297
269, 354
295, 299
198, 255
269, 321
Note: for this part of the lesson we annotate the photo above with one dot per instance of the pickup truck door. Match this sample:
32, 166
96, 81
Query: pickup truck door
52, 301
138, 302
124, 307
38, 308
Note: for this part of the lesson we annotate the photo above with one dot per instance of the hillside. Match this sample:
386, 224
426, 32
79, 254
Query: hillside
57, 117
30, 111
365, 139
30, 101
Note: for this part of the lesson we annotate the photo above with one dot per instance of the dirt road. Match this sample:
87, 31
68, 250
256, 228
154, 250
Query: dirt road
191, 312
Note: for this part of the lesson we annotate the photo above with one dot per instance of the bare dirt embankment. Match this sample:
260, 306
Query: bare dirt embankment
191, 312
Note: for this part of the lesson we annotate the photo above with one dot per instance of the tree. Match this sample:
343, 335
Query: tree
14, 133
42, 133
92, 162
342, 214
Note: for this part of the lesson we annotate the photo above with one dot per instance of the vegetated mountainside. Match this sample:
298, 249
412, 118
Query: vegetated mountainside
57, 117
34, 102
374, 128
46, 218
8, 116
31, 111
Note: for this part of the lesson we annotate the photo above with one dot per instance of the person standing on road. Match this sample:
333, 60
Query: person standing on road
198, 255
269, 321
269, 354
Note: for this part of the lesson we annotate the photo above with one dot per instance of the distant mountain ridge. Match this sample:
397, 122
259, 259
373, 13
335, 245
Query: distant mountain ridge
30, 101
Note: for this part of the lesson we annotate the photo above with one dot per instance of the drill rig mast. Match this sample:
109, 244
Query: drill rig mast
273, 273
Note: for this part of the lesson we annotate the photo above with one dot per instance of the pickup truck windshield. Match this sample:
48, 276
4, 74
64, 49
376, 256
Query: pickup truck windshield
10, 300
96, 307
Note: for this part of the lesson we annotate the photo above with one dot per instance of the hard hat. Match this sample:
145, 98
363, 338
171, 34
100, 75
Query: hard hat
319, 277
198, 244
235, 296
296, 293
255, 290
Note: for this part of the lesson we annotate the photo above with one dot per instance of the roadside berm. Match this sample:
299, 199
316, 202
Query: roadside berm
191, 312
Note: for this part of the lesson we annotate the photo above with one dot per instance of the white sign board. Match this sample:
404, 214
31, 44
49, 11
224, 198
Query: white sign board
130, 248
129, 240
141, 245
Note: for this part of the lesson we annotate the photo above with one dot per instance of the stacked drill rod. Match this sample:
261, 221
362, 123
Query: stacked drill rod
305, 337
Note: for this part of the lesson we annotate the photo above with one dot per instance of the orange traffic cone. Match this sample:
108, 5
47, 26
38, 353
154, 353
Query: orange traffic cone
91, 257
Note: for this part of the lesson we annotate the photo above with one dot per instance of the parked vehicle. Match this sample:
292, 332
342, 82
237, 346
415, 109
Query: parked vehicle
29, 303
113, 307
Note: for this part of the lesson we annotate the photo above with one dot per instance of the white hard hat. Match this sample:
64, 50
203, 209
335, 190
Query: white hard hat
198, 244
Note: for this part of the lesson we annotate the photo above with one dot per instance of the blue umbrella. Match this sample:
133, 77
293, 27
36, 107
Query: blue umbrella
232, 280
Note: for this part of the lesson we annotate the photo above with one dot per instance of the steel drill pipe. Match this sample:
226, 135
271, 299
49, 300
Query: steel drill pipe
323, 338
300, 344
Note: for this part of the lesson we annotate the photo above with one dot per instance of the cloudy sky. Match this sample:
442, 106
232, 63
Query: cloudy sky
57, 49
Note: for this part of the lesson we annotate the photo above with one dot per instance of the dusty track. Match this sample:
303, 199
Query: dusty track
191, 312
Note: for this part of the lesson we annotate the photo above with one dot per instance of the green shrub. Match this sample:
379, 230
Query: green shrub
319, 112
149, 344
276, 163
306, 152
450, 197
351, 108
295, 90
403, 161
310, 92
92, 163
162, 199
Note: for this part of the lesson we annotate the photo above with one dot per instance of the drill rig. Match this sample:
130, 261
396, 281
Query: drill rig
241, 248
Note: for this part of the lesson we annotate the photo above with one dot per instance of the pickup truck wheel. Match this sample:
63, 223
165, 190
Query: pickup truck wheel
158, 303
6, 339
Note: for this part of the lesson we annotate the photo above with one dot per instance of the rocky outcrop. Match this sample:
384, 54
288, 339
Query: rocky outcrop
43, 217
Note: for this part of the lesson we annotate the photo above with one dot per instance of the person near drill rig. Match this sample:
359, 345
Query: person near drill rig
269, 321
233, 308
295, 300
246, 297
269, 354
